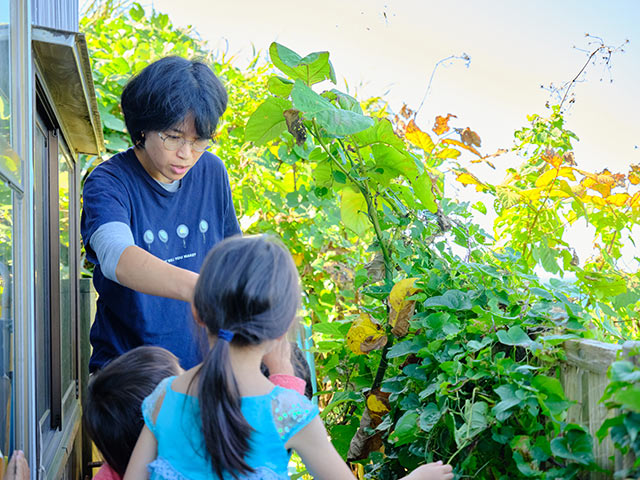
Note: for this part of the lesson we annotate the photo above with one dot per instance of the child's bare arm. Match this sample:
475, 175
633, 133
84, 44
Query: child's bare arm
145, 451
318, 454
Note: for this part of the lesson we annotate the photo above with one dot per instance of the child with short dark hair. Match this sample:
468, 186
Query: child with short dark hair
115, 394
224, 418
112, 409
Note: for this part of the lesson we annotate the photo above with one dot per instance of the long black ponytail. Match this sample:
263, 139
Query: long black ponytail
248, 286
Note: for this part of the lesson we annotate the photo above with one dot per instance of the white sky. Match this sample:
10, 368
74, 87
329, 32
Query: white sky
390, 48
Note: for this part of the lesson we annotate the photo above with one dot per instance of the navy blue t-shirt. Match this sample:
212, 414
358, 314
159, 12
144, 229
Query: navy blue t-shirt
178, 227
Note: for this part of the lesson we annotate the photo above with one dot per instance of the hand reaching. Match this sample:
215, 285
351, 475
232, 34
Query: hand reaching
278, 360
431, 471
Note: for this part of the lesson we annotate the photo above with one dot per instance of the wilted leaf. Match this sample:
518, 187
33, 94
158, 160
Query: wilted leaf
378, 402
634, 178
295, 125
419, 138
469, 137
551, 157
401, 310
365, 335
442, 124
451, 141
375, 268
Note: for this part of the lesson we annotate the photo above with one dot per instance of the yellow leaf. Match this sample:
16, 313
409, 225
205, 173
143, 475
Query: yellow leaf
634, 178
365, 335
419, 138
377, 404
567, 172
619, 199
298, 258
634, 202
546, 178
597, 201
551, 157
468, 179
532, 194
401, 290
448, 153
401, 310
555, 193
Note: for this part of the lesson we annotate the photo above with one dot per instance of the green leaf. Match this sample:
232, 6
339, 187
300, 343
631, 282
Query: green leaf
380, 132
311, 69
136, 12
547, 257
268, 121
333, 120
405, 347
323, 174
280, 86
112, 122
422, 188
347, 102
475, 422
603, 285
394, 161
114, 142
453, 299
549, 385
429, 416
515, 336
624, 371
353, 210
406, 429
628, 398
575, 445
511, 396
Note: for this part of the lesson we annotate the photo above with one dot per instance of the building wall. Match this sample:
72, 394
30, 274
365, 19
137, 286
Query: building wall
58, 14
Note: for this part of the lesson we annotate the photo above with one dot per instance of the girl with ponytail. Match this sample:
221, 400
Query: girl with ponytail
223, 419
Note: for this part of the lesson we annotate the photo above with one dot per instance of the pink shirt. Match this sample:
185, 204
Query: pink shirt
106, 473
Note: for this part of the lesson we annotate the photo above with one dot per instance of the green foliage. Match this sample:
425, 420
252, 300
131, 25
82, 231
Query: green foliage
469, 371
623, 395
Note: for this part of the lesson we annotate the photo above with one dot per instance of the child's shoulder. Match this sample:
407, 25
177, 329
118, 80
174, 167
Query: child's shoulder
291, 411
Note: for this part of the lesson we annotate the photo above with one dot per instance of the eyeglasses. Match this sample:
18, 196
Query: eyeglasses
173, 143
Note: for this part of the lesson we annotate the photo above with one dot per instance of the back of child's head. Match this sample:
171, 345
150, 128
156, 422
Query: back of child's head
112, 413
249, 288
165, 92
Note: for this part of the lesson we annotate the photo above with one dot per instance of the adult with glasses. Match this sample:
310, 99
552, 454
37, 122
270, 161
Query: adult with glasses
151, 213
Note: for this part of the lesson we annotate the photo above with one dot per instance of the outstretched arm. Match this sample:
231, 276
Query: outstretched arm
145, 452
143, 272
318, 454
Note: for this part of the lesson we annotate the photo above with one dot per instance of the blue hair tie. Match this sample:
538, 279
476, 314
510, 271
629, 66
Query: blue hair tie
225, 335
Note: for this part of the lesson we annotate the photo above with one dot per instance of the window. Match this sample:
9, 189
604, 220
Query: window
54, 193
6, 317
8, 171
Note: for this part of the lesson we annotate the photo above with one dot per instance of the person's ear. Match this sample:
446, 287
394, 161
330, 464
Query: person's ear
196, 317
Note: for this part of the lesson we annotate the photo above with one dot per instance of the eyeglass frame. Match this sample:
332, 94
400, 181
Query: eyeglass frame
182, 141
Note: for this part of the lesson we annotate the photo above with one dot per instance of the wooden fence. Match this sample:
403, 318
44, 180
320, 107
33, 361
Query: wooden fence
584, 377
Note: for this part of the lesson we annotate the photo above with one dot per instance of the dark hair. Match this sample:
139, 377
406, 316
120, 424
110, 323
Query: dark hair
165, 92
112, 413
249, 286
